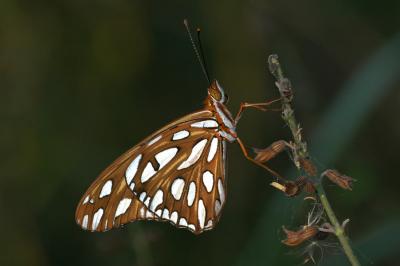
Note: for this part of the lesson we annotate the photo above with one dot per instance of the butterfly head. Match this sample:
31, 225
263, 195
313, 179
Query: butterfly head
216, 92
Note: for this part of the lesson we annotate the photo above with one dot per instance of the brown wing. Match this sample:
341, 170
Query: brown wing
182, 179
109, 202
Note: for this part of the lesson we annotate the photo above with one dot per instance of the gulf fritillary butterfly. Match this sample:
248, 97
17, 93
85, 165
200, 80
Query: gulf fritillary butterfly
177, 174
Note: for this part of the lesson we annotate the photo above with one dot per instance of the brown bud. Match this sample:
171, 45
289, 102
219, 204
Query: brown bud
295, 238
308, 166
343, 181
264, 155
292, 189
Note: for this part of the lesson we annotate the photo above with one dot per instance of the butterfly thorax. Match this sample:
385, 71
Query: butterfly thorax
215, 101
224, 118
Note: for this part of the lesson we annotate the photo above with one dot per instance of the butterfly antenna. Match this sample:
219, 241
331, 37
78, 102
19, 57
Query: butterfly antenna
199, 56
203, 58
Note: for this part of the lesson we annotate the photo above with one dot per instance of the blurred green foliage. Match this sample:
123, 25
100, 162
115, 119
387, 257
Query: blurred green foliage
81, 82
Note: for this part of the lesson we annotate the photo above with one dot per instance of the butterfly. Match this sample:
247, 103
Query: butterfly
177, 174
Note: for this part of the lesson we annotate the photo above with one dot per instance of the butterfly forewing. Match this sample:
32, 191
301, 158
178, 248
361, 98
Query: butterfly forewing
116, 197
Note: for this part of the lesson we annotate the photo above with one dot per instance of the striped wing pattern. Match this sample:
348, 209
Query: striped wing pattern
177, 174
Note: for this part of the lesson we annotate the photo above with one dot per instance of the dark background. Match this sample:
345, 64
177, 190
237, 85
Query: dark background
82, 81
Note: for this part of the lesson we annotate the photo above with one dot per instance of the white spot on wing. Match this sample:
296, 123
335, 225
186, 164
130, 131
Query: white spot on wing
177, 188
213, 149
91, 201
149, 214
208, 180
183, 222
205, 124
201, 213
209, 224
151, 142
192, 227
97, 218
221, 191
158, 212
132, 169
148, 172
106, 189
86, 199
122, 206
142, 196
147, 202
191, 194
180, 135
174, 217
166, 156
165, 214
157, 200
85, 221
194, 155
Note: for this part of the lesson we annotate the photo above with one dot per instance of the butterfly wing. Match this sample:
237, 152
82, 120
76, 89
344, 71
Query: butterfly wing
183, 179
109, 202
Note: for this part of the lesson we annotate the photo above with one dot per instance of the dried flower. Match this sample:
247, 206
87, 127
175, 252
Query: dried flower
308, 166
343, 181
295, 238
290, 188
293, 188
264, 155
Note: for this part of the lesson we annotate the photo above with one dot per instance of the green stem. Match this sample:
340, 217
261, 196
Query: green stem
300, 152
339, 230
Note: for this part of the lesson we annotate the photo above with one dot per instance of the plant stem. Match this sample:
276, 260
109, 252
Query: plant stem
339, 230
300, 152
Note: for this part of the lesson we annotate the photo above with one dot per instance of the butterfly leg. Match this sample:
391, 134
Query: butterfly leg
248, 157
259, 106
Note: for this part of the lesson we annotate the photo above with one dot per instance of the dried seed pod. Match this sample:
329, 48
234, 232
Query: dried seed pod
290, 188
343, 181
293, 188
264, 155
308, 166
295, 238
